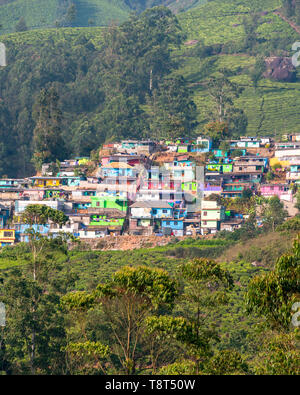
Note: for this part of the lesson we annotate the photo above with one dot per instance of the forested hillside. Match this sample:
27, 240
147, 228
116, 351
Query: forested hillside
103, 78
157, 75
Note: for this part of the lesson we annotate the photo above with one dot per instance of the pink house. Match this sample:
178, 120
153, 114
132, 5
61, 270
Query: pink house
280, 190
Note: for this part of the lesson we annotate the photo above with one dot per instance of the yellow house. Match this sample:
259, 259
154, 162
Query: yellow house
277, 161
44, 182
7, 237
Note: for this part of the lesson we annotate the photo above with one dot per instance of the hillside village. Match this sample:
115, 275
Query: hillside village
148, 188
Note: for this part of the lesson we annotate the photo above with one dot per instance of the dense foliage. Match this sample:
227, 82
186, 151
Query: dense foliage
183, 315
86, 91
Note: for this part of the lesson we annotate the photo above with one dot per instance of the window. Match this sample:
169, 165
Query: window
175, 223
8, 234
168, 222
165, 211
97, 204
205, 213
204, 222
154, 211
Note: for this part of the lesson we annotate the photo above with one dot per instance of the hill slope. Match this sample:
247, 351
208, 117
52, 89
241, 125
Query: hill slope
49, 13
67, 58
274, 107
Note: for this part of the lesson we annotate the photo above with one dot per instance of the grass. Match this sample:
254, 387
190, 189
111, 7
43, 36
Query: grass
37, 14
264, 250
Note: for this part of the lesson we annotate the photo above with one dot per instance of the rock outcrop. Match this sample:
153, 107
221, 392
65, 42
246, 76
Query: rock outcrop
280, 69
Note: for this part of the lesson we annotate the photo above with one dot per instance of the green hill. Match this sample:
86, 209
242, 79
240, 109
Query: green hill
49, 13
70, 59
274, 107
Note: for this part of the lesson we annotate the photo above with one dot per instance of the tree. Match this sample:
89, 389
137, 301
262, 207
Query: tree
71, 14
273, 294
227, 362
126, 300
218, 131
224, 146
250, 25
297, 205
223, 92
288, 8
137, 54
205, 287
173, 112
41, 214
273, 213
247, 194
84, 138
48, 142
21, 25
34, 336
257, 71
297, 11
279, 355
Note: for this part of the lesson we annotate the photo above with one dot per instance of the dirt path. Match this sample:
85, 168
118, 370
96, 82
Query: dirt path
292, 24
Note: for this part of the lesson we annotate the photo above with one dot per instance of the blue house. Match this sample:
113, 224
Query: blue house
72, 181
9, 183
161, 210
172, 227
22, 229
118, 169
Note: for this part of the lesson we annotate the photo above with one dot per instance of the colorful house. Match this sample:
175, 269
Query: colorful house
189, 186
211, 216
146, 147
44, 182
280, 190
118, 169
245, 142
172, 227
109, 202
233, 190
203, 144
7, 237
294, 173
48, 182
9, 183
103, 220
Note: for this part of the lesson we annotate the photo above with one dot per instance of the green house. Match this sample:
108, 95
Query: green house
115, 202
102, 220
189, 186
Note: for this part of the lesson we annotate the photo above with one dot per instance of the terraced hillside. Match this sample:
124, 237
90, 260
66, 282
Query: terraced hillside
273, 107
